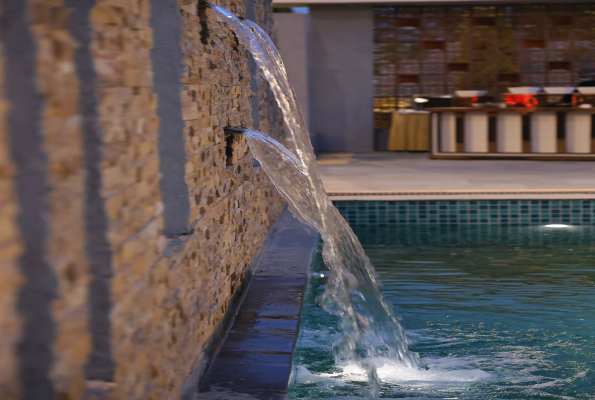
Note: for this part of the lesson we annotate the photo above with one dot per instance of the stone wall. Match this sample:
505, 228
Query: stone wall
61, 143
10, 250
126, 224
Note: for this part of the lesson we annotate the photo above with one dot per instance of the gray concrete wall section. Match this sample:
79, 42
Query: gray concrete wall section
100, 365
255, 360
342, 88
26, 141
293, 38
167, 58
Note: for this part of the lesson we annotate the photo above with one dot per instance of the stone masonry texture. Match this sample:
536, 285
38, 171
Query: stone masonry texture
57, 84
128, 311
10, 251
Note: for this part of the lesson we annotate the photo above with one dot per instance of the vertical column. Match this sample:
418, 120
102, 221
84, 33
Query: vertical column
37, 294
434, 133
476, 132
342, 87
509, 132
543, 132
168, 68
448, 132
11, 247
578, 132
100, 365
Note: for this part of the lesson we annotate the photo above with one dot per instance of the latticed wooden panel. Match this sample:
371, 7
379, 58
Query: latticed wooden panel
439, 49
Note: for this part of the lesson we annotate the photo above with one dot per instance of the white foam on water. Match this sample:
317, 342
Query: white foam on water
517, 368
444, 370
303, 375
439, 371
448, 369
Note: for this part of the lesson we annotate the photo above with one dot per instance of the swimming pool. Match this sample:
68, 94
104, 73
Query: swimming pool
495, 311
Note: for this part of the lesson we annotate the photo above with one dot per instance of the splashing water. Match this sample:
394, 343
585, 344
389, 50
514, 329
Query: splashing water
495, 312
370, 328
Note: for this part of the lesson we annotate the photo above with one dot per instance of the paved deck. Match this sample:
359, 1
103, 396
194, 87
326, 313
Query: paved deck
413, 176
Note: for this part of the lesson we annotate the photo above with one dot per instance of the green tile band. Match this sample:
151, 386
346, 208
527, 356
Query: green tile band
458, 212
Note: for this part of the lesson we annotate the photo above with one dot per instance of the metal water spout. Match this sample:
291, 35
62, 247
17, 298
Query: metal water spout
234, 130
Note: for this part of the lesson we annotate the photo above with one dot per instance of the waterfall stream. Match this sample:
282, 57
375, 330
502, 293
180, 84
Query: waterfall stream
371, 332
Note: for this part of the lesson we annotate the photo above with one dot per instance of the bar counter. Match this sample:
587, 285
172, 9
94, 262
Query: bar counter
524, 110
513, 132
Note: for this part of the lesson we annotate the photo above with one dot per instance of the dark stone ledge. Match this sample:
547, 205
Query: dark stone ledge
255, 359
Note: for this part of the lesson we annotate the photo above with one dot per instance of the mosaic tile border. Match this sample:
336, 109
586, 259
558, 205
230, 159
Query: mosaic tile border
471, 235
456, 212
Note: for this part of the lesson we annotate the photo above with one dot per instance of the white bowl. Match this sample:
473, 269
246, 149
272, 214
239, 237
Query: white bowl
524, 90
470, 93
586, 89
559, 90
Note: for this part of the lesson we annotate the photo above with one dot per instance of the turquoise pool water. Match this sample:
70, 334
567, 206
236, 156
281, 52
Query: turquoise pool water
494, 312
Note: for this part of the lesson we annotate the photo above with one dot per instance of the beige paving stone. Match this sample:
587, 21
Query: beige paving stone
367, 173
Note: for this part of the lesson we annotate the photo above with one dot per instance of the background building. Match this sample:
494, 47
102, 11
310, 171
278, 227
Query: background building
370, 57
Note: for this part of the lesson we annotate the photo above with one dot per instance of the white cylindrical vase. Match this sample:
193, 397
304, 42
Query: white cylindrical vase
476, 132
448, 132
578, 132
509, 132
543, 132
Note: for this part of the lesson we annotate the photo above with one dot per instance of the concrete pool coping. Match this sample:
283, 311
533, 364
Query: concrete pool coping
413, 176
255, 358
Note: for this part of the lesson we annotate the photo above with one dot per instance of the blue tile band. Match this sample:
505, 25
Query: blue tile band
459, 212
